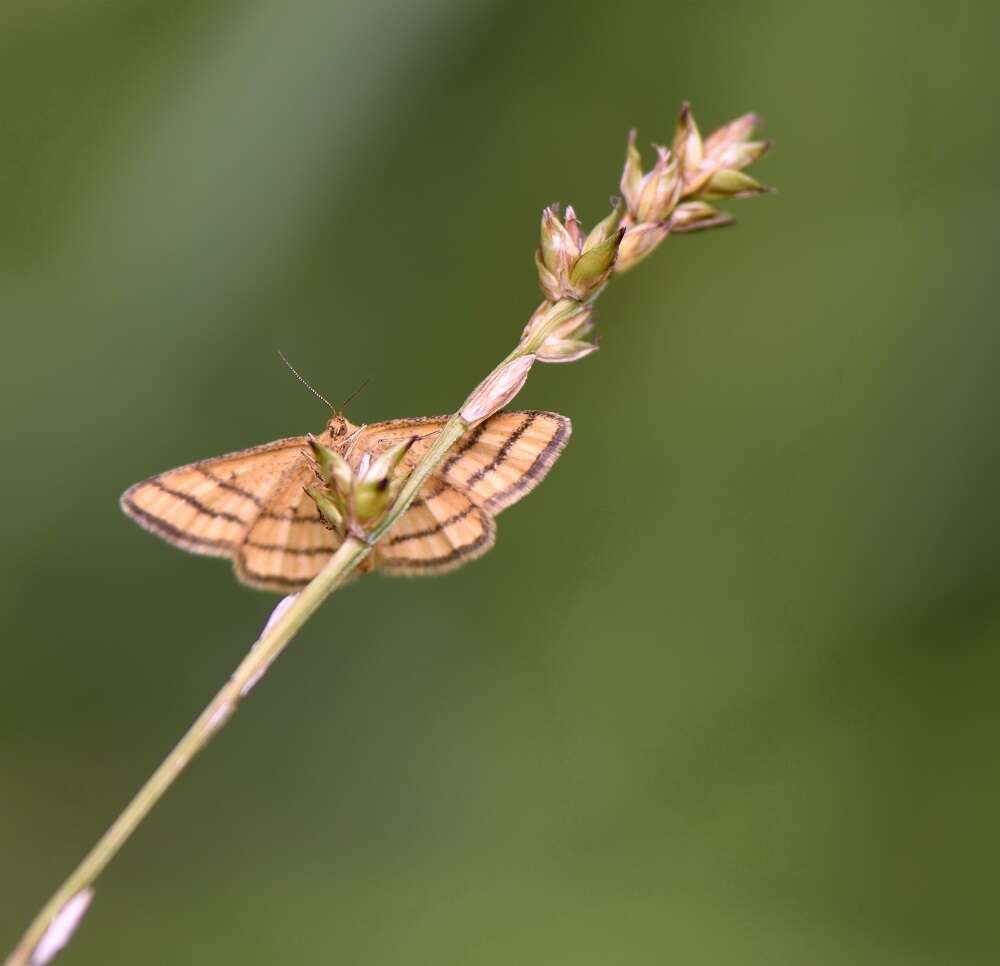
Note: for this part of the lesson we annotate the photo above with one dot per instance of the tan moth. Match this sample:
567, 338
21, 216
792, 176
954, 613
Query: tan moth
251, 506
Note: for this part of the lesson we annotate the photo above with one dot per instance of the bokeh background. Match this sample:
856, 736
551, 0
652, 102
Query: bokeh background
726, 691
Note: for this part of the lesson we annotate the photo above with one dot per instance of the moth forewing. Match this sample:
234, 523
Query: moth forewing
207, 507
506, 457
498, 461
488, 469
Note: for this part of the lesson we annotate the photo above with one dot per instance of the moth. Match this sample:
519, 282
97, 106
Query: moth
251, 506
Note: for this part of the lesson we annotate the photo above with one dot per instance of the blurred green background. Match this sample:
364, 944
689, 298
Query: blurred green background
726, 689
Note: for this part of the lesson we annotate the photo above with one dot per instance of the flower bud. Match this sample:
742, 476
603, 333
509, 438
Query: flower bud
576, 326
566, 272
565, 350
374, 487
631, 173
498, 389
385, 465
650, 196
548, 282
729, 183
61, 927
727, 149
370, 499
562, 318
349, 498
566, 330
742, 154
550, 317
331, 513
660, 189
731, 133
604, 229
696, 216
638, 242
331, 466
688, 147
593, 267
559, 249
572, 224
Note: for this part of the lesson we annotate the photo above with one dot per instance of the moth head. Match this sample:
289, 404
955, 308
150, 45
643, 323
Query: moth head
338, 427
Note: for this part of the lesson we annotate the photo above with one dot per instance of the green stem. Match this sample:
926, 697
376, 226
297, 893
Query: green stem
275, 638
271, 643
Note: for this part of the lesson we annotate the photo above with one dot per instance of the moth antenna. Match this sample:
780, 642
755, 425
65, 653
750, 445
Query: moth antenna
354, 395
295, 373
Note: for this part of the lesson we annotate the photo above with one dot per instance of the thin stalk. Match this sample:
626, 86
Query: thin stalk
272, 642
275, 638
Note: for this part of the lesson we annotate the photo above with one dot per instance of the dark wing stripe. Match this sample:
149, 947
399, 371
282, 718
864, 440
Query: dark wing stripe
232, 487
271, 579
542, 462
430, 531
301, 552
428, 494
470, 441
293, 518
158, 525
457, 554
503, 452
197, 504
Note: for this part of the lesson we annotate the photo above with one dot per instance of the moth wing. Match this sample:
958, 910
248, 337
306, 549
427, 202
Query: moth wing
207, 507
441, 530
497, 462
491, 467
506, 456
288, 543
378, 437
